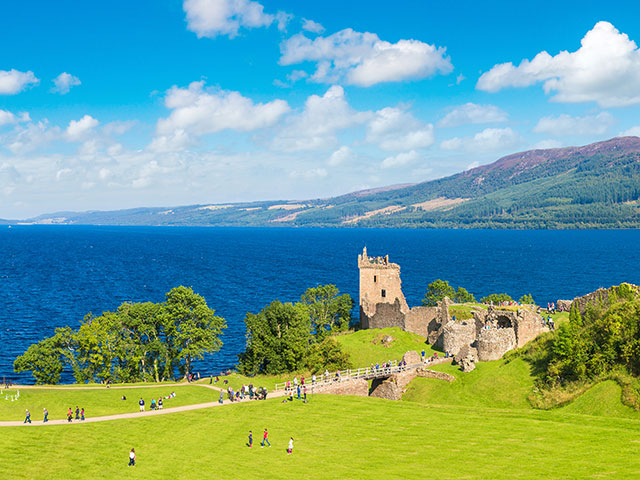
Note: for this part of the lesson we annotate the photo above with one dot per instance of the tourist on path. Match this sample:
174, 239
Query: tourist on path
305, 394
141, 403
160, 404
82, 414
27, 418
265, 438
290, 449
153, 404
250, 439
132, 458
298, 388
70, 415
77, 413
46, 415
221, 399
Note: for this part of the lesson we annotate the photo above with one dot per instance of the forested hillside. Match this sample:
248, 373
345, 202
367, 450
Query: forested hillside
595, 186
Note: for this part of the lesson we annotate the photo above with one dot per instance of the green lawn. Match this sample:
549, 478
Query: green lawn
334, 437
98, 402
492, 384
364, 348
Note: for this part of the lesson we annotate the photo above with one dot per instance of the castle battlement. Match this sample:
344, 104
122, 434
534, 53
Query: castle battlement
364, 261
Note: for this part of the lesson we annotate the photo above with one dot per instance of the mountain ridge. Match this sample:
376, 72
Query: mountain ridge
591, 186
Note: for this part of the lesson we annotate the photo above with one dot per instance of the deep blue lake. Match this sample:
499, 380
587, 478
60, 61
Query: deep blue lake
51, 276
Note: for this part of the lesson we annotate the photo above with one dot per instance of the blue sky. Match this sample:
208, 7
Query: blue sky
169, 103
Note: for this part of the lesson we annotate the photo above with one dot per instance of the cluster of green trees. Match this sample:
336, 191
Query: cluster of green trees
438, 289
604, 338
138, 342
285, 337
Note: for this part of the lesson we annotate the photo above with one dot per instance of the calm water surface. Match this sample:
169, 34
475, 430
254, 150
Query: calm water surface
51, 276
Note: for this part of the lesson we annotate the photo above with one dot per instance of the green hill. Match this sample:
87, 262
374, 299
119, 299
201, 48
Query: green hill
593, 186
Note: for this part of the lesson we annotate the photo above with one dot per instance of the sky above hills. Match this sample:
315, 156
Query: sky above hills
107, 105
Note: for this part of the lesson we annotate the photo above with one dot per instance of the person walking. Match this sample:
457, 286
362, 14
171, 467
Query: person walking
27, 418
298, 391
265, 438
221, 399
132, 458
290, 449
70, 415
46, 415
141, 403
305, 394
250, 439
77, 413
82, 414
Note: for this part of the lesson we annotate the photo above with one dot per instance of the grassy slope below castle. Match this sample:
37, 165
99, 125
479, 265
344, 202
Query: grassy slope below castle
335, 437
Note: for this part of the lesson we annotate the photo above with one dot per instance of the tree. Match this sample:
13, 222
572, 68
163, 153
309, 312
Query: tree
436, 291
278, 339
329, 311
527, 299
496, 298
191, 329
45, 359
328, 355
462, 296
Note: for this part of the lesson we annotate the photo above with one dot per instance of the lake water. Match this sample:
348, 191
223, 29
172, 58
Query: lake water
51, 276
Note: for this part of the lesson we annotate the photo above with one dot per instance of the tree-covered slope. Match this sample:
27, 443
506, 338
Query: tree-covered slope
594, 186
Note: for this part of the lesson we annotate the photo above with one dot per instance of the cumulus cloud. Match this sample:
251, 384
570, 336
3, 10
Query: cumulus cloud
395, 129
210, 18
567, 125
13, 81
317, 125
62, 83
340, 156
631, 132
472, 113
31, 136
363, 59
488, 140
605, 69
199, 111
311, 26
79, 129
8, 118
400, 160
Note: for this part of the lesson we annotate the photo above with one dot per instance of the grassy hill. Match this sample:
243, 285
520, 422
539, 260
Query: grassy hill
594, 186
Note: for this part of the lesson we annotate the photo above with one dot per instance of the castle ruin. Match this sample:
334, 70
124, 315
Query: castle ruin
487, 336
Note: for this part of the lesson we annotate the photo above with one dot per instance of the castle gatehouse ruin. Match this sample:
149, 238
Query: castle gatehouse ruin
491, 332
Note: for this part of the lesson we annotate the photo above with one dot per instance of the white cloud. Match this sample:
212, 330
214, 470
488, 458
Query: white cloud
13, 81
210, 18
311, 26
317, 125
631, 132
395, 129
567, 125
363, 59
309, 174
31, 137
340, 156
63, 83
175, 141
546, 144
488, 140
7, 118
79, 129
605, 69
472, 113
199, 111
118, 127
400, 160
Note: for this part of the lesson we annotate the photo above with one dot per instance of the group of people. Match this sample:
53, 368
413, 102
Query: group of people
159, 405
246, 391
79, 414
548, 322
301, 394
265, 441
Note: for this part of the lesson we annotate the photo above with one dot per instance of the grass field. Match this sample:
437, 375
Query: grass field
365, 348
98, 402
334, 437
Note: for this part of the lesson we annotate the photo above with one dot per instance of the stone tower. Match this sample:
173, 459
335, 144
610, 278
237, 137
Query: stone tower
379, 284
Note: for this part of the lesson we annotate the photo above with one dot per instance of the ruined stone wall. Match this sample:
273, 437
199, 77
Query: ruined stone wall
597, 298
426, 373
528, 326
357, 386
393, 387
419, 319
456, 335
384, 315
493, 343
